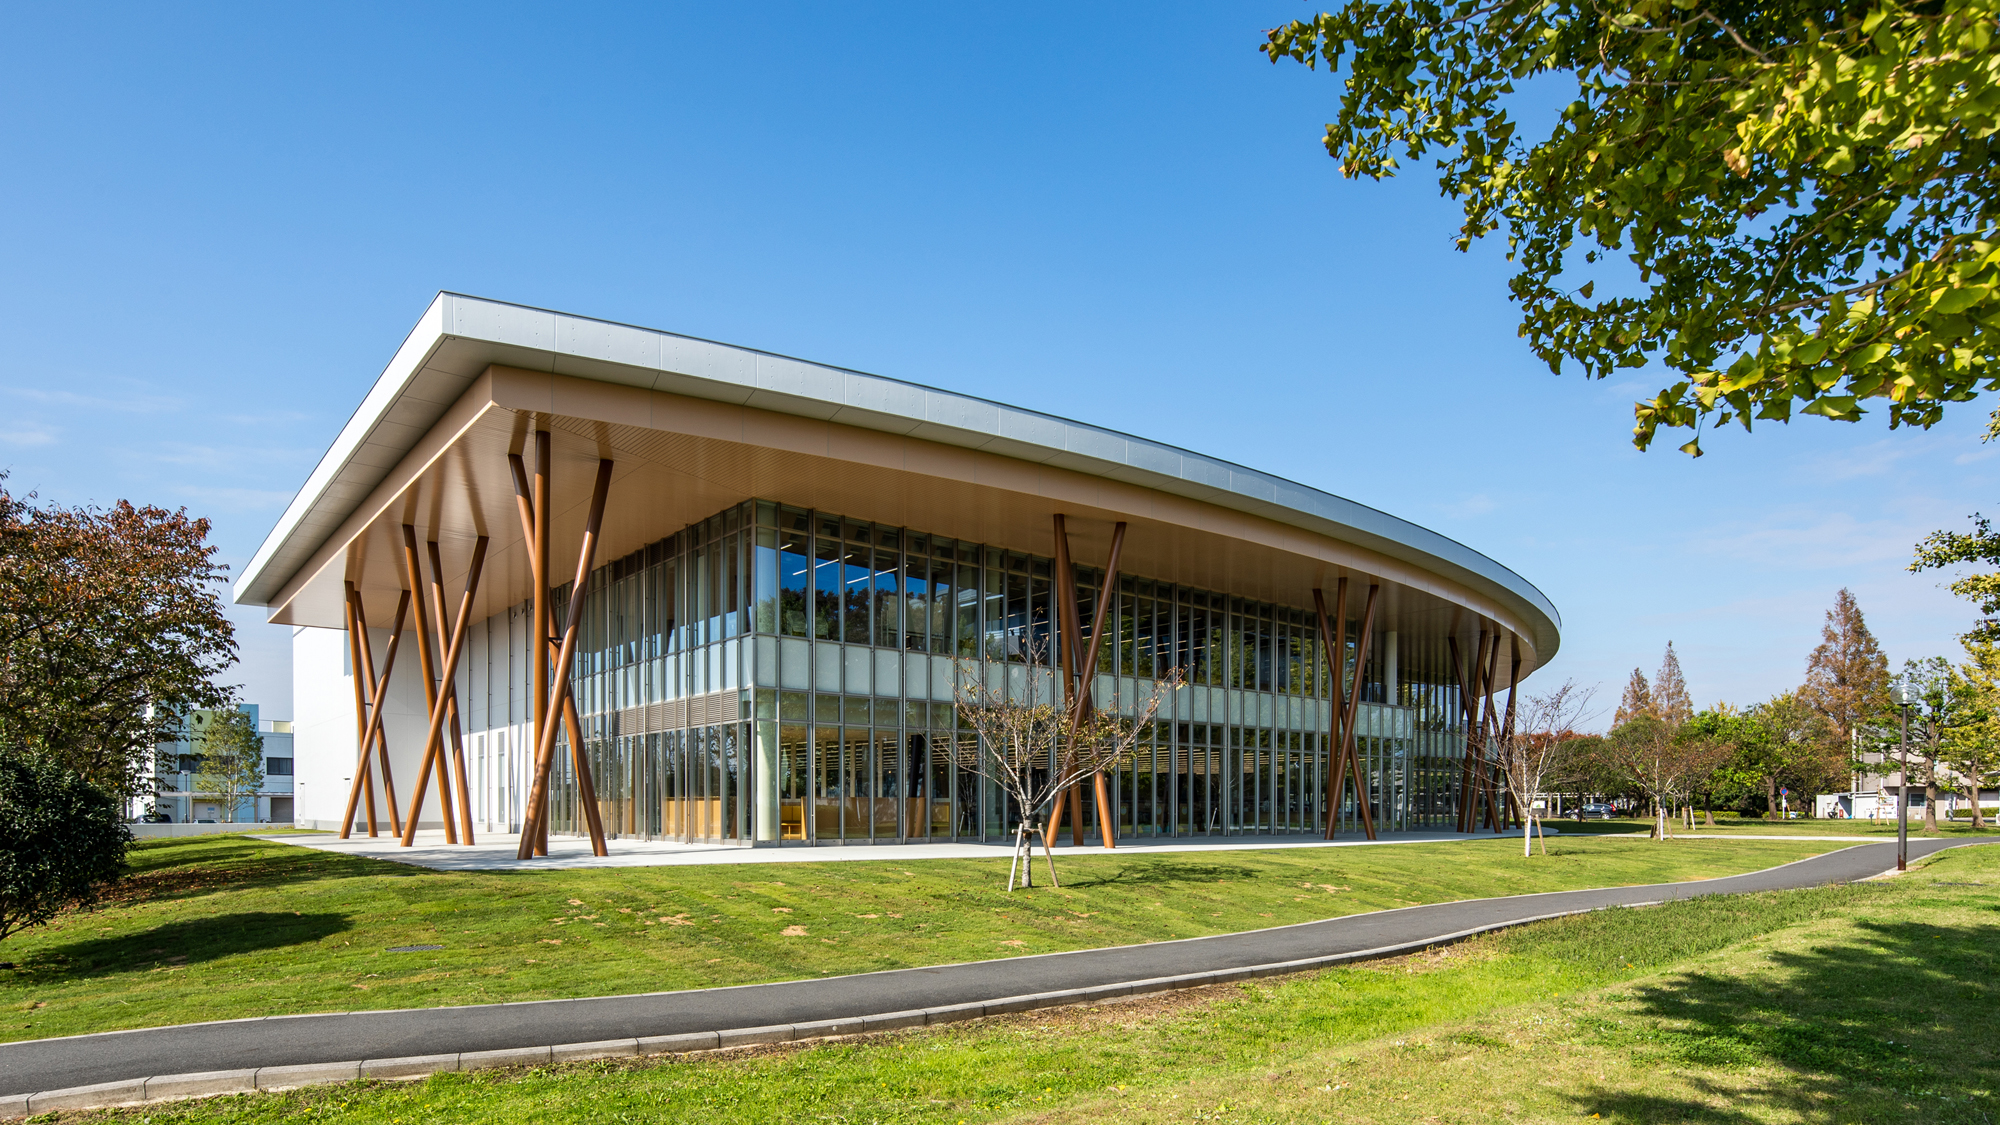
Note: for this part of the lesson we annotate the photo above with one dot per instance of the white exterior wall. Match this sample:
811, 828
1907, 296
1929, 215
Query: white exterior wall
323, 729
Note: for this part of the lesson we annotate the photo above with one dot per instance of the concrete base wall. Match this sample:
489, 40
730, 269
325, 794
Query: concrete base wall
175, 831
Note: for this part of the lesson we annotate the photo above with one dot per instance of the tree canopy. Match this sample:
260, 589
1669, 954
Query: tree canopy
111, 628
1942, 550
1805, 193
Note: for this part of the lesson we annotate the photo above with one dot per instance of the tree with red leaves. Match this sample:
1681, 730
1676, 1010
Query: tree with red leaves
111, 629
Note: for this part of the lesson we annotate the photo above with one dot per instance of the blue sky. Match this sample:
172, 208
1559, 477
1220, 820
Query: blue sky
218, 225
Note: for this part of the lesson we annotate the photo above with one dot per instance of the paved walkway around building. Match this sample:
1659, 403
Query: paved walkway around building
497, 852
292, 1050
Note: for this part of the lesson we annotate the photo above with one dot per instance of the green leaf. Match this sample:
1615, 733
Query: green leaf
1958, 300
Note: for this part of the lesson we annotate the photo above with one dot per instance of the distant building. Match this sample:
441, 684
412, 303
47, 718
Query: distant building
179, 762
1874, 789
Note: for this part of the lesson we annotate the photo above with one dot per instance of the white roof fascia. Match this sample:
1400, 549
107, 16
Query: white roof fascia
458, 337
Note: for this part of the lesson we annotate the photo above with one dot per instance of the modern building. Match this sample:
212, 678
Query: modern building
177, 776
797, 566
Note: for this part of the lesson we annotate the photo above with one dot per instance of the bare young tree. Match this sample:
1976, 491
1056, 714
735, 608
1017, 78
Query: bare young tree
1663, 760
1034, 749
1533, 755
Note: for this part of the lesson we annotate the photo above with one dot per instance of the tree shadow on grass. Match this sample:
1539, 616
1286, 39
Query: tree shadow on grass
1157, 872
177, 869
1895, 1021
177, 944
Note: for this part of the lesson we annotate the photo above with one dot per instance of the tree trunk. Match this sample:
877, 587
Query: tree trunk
1708, 809
1978, 815
1930, 801
1770, 797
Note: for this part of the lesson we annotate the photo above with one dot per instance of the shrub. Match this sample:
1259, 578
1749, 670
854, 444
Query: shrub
61, 840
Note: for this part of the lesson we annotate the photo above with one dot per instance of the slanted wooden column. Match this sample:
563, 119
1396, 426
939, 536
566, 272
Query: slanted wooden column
1333, 643
1345, 754
360, 784
433, 732
534, 829
532, 528
539, 664
1490, 728
1507, 725
586, 786
368, 694
1468, 707
432, 699
524, 503
442, 613
378, 705
1079, 677
1071, 633
1476, 785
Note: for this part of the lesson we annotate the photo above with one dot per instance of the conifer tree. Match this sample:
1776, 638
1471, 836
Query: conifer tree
1847, 676
1637, 700
1670, 693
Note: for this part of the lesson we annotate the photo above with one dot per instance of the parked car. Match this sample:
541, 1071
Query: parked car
1598, 812
156, 818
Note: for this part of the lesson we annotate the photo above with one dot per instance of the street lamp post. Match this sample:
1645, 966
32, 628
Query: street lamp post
1905, 696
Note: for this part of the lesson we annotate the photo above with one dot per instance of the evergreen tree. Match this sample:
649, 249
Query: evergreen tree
1637, 700
1670, 693
62, 840
1847, 676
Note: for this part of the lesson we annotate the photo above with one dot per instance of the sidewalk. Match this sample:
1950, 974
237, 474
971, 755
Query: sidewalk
496, 853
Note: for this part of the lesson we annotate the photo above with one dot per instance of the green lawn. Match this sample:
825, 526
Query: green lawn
225, 927
1863, 1003
1735, 826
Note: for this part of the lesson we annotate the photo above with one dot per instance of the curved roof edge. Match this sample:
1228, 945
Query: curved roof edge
458, 337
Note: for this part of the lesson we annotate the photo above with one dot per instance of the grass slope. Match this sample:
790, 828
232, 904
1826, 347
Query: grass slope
1727, 826
1863, 1003
225, 927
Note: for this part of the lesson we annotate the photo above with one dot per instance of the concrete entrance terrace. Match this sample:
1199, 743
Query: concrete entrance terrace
497, 852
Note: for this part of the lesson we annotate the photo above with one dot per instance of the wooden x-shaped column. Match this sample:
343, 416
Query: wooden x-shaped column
445, 628
433, 758
1077, 677
1476, 781
533, 504
1506, 725
1344, 759
426, 657
368, 694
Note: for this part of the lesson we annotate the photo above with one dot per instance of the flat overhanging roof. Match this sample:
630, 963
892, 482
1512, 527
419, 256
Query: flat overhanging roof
696, 425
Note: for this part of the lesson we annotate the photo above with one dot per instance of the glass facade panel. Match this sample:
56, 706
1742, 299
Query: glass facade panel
864, 745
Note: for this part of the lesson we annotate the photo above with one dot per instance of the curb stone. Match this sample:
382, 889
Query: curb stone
178, 1087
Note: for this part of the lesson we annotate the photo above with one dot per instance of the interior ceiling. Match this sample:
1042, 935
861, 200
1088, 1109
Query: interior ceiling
463, 488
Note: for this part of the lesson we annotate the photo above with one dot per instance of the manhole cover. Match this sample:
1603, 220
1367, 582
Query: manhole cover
413, 948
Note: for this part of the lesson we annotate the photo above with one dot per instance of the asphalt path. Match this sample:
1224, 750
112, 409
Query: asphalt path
50, 1064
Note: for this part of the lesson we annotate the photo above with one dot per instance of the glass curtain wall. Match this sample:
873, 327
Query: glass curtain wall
778, 675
